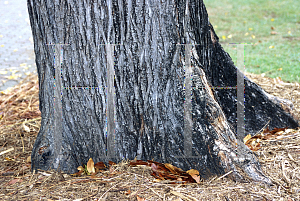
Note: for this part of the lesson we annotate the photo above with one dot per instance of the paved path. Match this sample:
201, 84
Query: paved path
16, 45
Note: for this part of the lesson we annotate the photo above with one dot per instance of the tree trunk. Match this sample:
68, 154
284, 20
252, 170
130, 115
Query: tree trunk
135, 79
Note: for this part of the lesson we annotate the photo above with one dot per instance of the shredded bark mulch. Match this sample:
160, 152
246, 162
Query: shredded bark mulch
278, 152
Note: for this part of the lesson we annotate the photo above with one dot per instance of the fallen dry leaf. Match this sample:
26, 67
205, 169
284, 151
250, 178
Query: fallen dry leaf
100, 166
139, 198
90, 166
194, 174
28, 160
78, 174
166, 171
247, 138
112, 163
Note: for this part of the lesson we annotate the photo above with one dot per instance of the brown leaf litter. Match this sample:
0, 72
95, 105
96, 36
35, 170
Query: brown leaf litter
278, 153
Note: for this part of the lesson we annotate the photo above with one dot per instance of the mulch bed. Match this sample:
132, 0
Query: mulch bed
279, 155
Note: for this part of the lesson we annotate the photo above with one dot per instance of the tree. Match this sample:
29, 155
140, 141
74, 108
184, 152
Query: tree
121, 88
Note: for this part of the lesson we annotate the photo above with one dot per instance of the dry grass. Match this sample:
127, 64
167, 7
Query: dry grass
19, 125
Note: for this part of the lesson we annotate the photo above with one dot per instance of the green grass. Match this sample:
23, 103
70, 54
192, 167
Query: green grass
275, 55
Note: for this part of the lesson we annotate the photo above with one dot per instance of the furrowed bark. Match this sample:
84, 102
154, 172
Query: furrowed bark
154, 54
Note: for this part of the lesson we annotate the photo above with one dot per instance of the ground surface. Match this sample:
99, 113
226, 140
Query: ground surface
279, 155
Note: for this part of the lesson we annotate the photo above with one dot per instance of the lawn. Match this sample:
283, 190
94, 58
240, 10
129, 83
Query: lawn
271, 30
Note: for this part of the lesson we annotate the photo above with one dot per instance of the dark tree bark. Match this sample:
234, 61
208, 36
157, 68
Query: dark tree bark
136, 89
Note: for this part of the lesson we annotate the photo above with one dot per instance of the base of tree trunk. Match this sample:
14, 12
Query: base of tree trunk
139, 92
